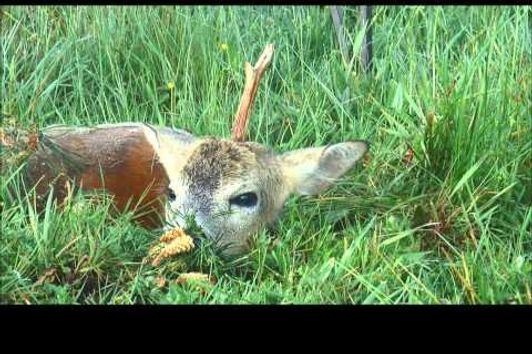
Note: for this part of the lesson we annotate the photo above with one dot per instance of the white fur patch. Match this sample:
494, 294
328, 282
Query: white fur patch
173, 147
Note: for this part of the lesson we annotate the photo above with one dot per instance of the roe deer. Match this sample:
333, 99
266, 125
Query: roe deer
231, 188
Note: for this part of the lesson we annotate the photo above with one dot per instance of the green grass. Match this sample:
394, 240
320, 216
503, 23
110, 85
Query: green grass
453, 83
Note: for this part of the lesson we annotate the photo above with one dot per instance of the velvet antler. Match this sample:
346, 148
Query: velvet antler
253, 76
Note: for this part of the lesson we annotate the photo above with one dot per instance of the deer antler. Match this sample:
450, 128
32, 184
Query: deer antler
253, 76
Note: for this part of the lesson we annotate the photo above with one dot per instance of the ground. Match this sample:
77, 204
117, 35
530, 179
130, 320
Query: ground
439, 212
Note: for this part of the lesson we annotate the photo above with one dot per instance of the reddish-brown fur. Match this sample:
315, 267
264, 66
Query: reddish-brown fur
122, 156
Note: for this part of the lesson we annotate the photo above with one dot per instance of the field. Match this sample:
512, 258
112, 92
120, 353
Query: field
439, 213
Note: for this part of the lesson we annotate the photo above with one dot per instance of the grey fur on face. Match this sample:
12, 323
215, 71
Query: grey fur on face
210, 174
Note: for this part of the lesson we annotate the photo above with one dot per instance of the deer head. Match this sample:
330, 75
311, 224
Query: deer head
232, 189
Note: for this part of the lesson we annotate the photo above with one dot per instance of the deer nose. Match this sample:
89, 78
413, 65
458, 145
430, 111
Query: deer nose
178, 217
249, 243
189, 222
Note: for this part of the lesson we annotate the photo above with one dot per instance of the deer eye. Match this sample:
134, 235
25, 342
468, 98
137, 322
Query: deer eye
246, 200
171, 195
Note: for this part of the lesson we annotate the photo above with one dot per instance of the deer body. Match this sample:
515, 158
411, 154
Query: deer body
231, 188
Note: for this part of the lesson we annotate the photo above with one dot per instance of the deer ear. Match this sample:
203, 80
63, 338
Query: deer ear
157, 136
312, 170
